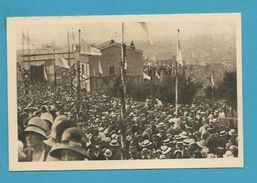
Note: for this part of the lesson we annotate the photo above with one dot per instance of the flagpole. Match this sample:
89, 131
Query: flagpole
212, 86
78, 77
22, 46
176, 84
123, 93
55, 77
68, 39
28, 44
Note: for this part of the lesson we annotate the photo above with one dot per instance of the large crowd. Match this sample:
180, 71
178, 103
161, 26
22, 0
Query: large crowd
53, 125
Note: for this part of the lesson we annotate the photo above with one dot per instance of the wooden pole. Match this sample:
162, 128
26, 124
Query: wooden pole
28, 44
123, 87
68, 40
176, 84
55, 76
78, 78
22, 46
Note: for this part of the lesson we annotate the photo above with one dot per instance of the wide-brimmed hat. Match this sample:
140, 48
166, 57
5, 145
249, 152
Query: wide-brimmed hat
167, 142
58, 120
71, 140
165, 149
228, 154
211, 155
232, 132
36, 125
186, 142
107, 153
146, 143
161, 125
183, 135
223, 133
114, 143
48, 117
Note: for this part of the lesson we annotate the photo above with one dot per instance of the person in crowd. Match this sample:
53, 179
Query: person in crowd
71, 146
33, 137
150, 130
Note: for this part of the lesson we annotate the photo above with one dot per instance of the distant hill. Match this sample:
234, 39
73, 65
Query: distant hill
196, 50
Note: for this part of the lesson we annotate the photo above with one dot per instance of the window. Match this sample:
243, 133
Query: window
83, 69
112, 70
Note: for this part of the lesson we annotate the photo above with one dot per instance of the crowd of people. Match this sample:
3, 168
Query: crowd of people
54, 125
161, 69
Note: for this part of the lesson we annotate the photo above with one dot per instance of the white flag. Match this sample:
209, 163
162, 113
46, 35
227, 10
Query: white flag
212, 80
157, 75
144, 26
61, 62
45, 75
100, 67
88, 50
179, 54
145, 76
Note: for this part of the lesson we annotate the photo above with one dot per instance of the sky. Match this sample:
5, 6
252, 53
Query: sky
43, 32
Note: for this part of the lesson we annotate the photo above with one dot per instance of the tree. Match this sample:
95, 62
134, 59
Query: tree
228, 88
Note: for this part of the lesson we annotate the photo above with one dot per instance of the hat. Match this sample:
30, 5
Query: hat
232, 132
165, 149
36, 125
223, 133
183, 135
162, 156
107, 139
107, 153
193, 148
201, 144
161, 125
48, 117
58, 120
186, 142
114, 136
114, 143
211, 155
146, 143
167, 141
101, 129
71, 140
228, 154
59, 127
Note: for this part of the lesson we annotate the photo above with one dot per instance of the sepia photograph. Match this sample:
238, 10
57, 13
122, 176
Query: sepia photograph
125, 92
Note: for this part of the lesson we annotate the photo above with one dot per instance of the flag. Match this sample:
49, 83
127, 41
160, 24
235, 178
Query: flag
100, 67
45, 75
126, 65
212, 79
88, 50
179, 53
61, 62
157, 75
145, 76
144, 27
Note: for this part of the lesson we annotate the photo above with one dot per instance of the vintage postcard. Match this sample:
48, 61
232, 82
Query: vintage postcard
125, 92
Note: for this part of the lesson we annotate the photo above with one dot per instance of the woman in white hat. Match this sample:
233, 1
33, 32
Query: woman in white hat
33, 138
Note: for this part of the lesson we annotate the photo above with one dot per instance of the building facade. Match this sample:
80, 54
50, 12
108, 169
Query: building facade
97, 72
105, 69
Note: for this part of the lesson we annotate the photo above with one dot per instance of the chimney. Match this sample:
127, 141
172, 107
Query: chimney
112, 41
132, 45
